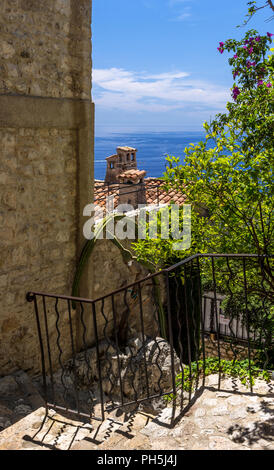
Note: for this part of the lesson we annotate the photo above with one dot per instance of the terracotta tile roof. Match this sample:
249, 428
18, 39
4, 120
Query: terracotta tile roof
133, 175
155, 192
102, 190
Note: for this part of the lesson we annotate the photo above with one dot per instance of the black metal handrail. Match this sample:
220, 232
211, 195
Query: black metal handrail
176, 312
30, 294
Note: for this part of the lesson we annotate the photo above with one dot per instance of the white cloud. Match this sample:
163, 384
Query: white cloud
169, 75
176, 2
184, 12
182, 17
117, 88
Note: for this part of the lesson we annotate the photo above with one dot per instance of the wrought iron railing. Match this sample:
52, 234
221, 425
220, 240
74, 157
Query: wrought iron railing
131, 345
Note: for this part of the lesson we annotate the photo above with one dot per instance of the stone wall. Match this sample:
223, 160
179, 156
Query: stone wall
46, 132
110, 271
45, 48
226, 349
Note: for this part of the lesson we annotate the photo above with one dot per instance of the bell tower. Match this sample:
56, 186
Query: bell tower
124, 159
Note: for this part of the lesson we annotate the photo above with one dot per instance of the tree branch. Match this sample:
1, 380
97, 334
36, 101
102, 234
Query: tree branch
270, 3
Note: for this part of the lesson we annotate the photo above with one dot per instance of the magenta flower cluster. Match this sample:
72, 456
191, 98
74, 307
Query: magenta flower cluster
221, 47
250, 64
235, 92
249, 47
261, 82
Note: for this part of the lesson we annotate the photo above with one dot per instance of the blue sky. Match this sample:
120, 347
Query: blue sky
155, 62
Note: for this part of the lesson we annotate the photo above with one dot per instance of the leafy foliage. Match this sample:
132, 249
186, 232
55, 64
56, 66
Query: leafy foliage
254, 7
228, 179
234, 179
158, 251
212, 365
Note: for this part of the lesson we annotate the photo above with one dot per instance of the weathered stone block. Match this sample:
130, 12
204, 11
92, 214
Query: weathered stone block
7, 51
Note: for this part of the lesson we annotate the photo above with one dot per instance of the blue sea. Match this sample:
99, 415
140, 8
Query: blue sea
152, 149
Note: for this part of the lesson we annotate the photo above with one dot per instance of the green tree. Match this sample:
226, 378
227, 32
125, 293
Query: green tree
231, 172
228, 179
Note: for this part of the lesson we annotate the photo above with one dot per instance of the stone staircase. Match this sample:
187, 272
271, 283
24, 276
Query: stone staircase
228, 418
25, 425
56, 432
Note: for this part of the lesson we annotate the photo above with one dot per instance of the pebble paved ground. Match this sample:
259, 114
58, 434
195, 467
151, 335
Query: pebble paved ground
226, 419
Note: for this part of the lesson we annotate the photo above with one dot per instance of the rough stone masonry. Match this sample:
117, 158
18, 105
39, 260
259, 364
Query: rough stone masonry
46, 135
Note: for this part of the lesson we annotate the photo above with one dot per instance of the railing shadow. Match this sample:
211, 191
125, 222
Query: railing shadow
41, 441
263, 429
46, 430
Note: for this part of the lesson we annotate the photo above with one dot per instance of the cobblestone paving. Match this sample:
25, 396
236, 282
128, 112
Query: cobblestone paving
225, 419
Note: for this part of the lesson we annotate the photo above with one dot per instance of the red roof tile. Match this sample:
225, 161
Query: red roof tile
132, 175
155, 192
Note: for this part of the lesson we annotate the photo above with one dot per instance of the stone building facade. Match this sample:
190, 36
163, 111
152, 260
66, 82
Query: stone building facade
122, 170
46, 147
124, 159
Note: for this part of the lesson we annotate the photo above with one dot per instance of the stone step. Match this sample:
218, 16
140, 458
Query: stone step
18, 398
217, 419
56, 432
128, 435
39, 431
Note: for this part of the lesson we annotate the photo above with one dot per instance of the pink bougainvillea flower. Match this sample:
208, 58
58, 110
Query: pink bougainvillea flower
245, 47
269, 35
221, 44
250, 50
258, 38
235, 56
260, 82
236, 92
220, 49
235, 73
248, 64
269, 85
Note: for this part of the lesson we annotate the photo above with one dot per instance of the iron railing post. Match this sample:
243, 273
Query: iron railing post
170, 337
